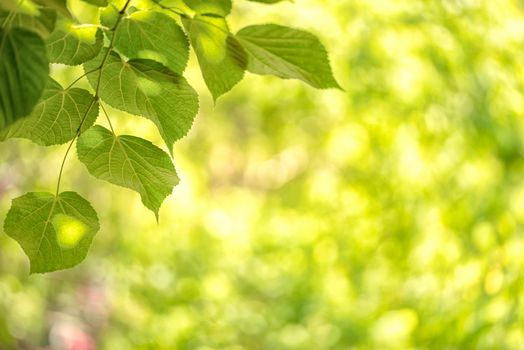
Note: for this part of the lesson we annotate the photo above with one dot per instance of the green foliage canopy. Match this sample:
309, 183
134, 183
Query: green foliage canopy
134, 61
387, 217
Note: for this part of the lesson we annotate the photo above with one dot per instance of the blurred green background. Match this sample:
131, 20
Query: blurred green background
387, 216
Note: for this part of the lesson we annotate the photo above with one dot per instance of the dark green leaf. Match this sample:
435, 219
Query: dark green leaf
130, 162
9, 5
146, 88
23, 73
99, 3
287, 53
42, 24
153, 35
220, 56
54, 232
59, 5
57, 117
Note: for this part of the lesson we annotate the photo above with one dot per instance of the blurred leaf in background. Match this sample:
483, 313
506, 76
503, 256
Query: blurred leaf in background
388, 216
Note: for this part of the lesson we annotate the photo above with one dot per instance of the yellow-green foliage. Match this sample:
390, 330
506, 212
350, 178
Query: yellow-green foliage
388, 216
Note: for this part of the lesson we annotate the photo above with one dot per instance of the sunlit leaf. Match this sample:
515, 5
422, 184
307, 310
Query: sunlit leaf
54, 232
267, 1
215, 7
73, 44
57, 116
287, 53
146, 88
221, 58
153, 35
23, 73
99, 3
130, 162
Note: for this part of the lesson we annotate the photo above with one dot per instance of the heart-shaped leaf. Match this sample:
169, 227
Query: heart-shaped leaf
54, 232
147, 88
57, 117
128, 161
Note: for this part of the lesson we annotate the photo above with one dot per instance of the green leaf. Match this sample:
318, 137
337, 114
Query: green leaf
287, 53
146, 88
42, 24
23, 73
57, 117
99, 3
74, 44
9, 5
54, 232
59, 5
267, 1
214, 7
153, 35
221, 58
109, 16
128, 161
27, 7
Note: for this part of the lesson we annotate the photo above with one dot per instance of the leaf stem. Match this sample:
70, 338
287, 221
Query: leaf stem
71, 144
108, 119
80, 77
111, 45
95, 97
62, 166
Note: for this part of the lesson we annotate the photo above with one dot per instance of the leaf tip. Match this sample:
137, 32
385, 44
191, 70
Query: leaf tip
337, 86
215, 99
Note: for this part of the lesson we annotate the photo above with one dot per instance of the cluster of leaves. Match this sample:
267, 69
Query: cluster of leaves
134, 60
